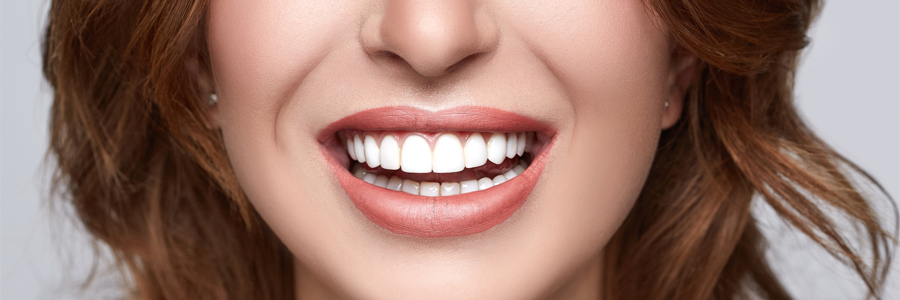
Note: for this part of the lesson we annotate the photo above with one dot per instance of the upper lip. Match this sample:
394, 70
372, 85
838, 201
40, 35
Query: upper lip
462, 118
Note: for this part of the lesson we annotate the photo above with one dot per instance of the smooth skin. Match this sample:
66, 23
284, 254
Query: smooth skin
600, 71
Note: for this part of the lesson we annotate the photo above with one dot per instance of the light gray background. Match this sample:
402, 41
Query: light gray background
848, 89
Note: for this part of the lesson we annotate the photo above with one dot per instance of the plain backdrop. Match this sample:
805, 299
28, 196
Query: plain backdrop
848, 89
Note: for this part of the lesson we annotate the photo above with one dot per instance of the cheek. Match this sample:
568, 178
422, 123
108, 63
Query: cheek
614, 71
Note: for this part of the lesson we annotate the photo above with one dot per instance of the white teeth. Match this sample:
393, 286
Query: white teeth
485, 183
381, 181
449, 188
433, 189
430, 189
410, 187
390, 153
350, 149
468, 186
394, 183
476, 151
359, 148
415, 157
499, 179
373, 159
448, 155
512, 142
496, 148
520, 148
370, 178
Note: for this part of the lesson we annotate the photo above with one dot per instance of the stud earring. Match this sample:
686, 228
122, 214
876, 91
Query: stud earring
666, 105
213, 99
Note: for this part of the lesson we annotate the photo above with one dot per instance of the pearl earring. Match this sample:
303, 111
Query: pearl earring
213, 99
667, 103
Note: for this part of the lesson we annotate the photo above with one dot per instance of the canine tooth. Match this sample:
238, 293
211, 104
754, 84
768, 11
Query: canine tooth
529, 140
373, 159
350, 149
415, 156
390, 153
485, 183
410, 187
430, 189
394, 183
499, 179
519, 169
468, 186
359, 148
475, 151
496, 148
448, 155
512, 142
520, 148
370, 178
449, 188
359, 172
510, 174
381, 181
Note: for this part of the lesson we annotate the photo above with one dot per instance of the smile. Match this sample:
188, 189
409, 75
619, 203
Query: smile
431, 174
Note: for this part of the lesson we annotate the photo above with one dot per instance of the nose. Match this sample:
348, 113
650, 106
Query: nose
434, 37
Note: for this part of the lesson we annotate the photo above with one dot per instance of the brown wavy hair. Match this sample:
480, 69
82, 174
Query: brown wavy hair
146, 174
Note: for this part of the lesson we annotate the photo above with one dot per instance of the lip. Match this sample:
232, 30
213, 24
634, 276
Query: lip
443, 216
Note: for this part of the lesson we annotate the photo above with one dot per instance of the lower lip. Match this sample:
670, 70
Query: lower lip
443, 216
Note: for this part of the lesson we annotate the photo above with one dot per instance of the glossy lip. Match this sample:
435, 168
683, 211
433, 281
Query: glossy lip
424, 216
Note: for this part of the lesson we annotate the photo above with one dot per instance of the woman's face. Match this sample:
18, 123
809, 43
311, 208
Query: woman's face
582, 85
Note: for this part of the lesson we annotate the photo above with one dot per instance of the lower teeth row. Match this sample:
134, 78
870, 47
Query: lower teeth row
435, 188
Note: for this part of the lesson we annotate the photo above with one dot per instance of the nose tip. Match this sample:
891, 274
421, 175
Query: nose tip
430, 36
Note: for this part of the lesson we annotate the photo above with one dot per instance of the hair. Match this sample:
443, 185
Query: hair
146, 174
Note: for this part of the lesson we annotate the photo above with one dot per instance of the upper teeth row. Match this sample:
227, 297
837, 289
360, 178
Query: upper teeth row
449, 155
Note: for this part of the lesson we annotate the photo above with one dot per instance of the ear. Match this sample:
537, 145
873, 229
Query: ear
200, 75
682, 68
212, 112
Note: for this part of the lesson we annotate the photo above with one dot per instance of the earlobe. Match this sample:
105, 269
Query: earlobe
212, 111
681, 75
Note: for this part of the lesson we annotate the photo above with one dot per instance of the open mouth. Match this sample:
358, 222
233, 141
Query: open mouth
431, 174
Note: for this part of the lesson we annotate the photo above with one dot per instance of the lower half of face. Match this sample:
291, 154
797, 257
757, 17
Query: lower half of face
424, 150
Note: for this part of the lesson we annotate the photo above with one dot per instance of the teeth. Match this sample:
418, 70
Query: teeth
498, 180
430, 189
415, 157
519, 169
415, 154
390, 153
394, 183
512, 142
476, 151
410, 187
496, 148
359, 172
373, 159
468, 186
359, 148
448, 155
351, 149
449, 188
485, 183
382, 180
520, 148
370, 178
434, 189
